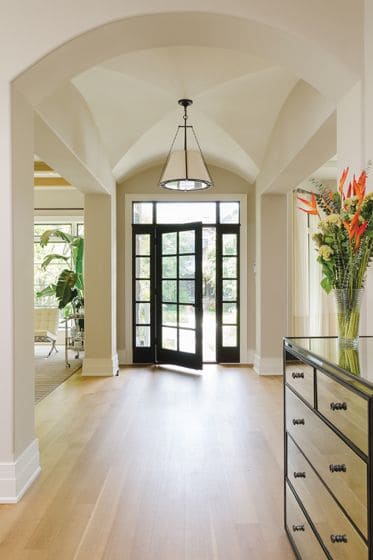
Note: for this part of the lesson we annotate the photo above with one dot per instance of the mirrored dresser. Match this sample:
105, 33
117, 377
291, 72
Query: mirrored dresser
328, 427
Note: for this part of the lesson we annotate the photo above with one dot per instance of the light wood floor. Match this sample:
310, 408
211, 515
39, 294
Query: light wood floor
155, 465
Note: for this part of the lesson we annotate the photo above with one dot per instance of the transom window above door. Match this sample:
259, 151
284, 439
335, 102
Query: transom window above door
183, 212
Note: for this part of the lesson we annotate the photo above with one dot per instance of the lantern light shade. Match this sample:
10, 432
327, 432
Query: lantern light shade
185, 168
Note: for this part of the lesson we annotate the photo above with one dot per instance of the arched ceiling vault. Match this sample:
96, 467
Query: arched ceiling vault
238, 71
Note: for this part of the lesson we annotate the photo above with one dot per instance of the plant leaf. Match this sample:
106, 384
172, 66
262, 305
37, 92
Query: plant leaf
53, 256
47, 291
46, 235
65, 291
326, 285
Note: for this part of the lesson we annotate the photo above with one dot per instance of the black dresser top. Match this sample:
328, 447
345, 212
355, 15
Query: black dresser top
354, 367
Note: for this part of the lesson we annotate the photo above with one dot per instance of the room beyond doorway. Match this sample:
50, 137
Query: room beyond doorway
220, 260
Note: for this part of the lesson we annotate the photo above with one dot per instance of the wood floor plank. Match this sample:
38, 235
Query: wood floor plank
155, 464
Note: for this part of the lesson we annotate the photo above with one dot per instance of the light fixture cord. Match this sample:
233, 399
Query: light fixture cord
185, 141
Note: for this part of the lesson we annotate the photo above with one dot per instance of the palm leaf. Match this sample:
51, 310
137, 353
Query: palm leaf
65, 288
48, 291
53, 256
53, 233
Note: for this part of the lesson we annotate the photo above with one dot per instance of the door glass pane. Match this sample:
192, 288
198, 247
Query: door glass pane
143, 213
229, 336
143, 290
229, 244
143, 336
169, 243
209, 293
230, 313
229, 267
186, 291
187, 341
187, 316
169, 290
229, 290
143, 267
169, 338
169, 265
187, 266
186, 242
169, 314
143, 313
229, 212
184, 212
143, 244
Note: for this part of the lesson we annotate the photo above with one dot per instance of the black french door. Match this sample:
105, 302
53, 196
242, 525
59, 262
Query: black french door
167, 287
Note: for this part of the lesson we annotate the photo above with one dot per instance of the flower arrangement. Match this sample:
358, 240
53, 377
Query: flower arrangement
344, 243
344, 240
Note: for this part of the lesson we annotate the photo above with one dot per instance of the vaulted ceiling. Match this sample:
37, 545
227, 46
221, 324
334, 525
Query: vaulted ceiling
265, 87
237, 98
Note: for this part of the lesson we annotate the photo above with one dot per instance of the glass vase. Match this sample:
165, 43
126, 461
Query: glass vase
348, 314
349, 359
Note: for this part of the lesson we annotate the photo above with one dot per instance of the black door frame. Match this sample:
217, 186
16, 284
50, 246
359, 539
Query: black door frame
224, 354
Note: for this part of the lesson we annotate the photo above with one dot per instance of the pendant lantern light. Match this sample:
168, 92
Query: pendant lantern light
185, 168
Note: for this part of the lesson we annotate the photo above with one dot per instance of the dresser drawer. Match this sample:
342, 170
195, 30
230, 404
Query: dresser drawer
339, 467
326, 515
305, 540
301, 377
345, 409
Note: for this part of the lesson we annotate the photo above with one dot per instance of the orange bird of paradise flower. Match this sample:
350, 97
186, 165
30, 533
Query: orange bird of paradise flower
353, 226
360, 186
359, 232
312, 206
342, 181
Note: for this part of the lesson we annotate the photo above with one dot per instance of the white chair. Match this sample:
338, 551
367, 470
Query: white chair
46, 321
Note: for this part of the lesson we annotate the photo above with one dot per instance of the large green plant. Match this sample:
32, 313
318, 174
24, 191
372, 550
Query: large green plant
69, 286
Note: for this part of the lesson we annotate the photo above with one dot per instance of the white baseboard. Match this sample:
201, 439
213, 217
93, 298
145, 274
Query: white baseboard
101, 367
122, 356
267, 366
250, 356
17, 477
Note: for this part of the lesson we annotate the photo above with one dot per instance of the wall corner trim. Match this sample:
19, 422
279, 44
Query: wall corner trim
268, 366
16, 477
101, 367
122, 355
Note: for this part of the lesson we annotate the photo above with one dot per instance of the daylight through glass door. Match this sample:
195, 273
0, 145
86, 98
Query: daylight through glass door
170, 328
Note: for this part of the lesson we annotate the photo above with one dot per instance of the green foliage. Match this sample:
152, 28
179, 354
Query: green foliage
53, 233
48, 291
65, 289
53, 257
326, 284
69, 286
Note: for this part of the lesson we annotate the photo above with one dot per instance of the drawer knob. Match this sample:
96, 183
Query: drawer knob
298, 528
338, 538
337, 468
298, 375
298, 421
338, 406
299, 475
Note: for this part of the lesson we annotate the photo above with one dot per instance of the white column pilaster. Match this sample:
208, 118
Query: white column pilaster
19, 451
271, 283
101, 356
